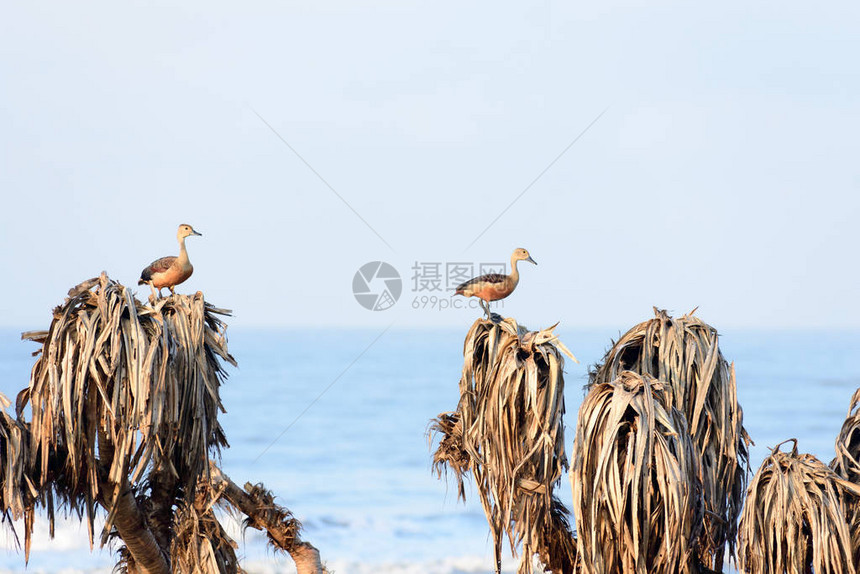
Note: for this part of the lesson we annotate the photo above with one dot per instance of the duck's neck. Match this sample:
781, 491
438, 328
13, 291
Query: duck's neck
515, 273
183, 254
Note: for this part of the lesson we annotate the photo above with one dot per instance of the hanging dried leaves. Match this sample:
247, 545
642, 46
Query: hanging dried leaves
635, 478
684, 353
795, 517
125, 401
143, 380
847, 465
508, 431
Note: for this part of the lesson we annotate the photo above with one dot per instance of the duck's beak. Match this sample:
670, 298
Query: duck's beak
195, 233
530, 260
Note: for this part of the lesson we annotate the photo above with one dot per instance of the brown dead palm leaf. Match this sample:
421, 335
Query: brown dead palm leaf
557, 551
138, 382
450, 454
794, 520
508, 432
17, 492
853, 518
125, 401
847, 465
684, 352
847, 461
635, 478
201, 546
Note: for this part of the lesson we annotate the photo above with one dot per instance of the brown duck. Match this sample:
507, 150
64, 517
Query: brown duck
495, 286
170, 271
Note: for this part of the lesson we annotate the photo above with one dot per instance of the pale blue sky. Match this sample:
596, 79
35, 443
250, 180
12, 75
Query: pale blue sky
724, 173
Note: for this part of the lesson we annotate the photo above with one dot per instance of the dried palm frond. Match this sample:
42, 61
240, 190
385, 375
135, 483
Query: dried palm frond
508, 432
201, 545
794, 519
125, 400
847, 465
635, 478
17, 491
853, 519
847, 461
121, 390
557, 551
684, 353
450, 454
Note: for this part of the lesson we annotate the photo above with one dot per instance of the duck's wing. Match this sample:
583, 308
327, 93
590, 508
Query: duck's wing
491, 278
157, 266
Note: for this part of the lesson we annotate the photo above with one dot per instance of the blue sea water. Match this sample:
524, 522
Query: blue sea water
335, 423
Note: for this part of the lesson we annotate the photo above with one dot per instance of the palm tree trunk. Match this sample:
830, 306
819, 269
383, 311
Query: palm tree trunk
163, 494
261, 516
138, 539
307, 559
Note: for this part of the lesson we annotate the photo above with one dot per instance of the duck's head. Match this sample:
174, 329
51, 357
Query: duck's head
521, 254
185, 230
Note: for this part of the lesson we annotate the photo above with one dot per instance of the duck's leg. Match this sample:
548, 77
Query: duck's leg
493, 317
154, 296
485, 305
172, 292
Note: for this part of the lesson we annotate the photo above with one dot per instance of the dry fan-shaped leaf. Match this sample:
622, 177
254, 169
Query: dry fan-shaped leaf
794, 519
684, 353
636, 491
508, 432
